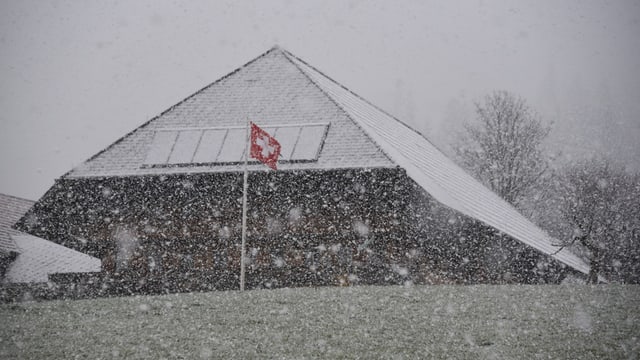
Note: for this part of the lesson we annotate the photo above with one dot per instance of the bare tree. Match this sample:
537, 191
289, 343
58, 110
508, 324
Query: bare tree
502, 147
600, 203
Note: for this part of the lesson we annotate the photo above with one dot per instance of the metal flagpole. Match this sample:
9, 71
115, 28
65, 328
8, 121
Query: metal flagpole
244, 208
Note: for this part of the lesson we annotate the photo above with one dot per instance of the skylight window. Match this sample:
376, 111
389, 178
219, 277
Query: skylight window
309, 143
287, 137
161, 147
184, 147
233, 146
210, 146
200, 146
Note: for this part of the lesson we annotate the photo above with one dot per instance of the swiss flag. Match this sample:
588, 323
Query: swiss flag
264, 147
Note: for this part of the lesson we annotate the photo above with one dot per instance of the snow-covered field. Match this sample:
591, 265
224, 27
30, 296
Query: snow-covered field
504, 322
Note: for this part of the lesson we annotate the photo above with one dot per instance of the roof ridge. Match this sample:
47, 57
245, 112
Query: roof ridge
146, 123
345, 112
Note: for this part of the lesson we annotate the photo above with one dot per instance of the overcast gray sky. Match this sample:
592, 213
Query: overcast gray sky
77, 75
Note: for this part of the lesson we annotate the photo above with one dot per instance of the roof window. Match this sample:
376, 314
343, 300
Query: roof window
226, 145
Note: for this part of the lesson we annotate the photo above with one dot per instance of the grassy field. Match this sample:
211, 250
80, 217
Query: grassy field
465, 322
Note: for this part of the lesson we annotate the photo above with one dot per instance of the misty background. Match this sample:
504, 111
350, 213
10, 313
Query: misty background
77, 76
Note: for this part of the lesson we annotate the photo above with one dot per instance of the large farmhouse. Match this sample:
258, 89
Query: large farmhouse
358, 197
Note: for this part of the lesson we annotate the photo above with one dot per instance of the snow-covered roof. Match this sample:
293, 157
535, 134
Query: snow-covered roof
277, 88
38, 258
436, 173
270, 91
11, 210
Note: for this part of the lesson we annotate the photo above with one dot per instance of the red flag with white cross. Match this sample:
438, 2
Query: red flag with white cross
264, 147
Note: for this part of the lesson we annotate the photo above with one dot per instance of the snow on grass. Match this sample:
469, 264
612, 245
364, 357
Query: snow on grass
360, 322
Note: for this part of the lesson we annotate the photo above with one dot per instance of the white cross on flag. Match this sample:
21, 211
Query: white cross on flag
264, 147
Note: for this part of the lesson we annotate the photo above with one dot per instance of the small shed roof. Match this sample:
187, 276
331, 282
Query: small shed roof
38, 258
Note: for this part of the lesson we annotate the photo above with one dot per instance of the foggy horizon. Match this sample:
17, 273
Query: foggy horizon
79, 76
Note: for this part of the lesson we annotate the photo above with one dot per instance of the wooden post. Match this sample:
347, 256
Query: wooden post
244, 209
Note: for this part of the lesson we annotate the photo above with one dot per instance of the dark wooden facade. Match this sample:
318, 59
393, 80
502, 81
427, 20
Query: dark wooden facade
174, 233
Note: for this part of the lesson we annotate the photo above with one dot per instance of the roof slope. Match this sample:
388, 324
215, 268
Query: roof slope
270, 90
436, 173
39, 258
11, 210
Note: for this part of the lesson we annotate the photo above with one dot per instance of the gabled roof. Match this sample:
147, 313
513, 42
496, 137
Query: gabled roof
270, 90
11, 210
279, 88
39, 258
